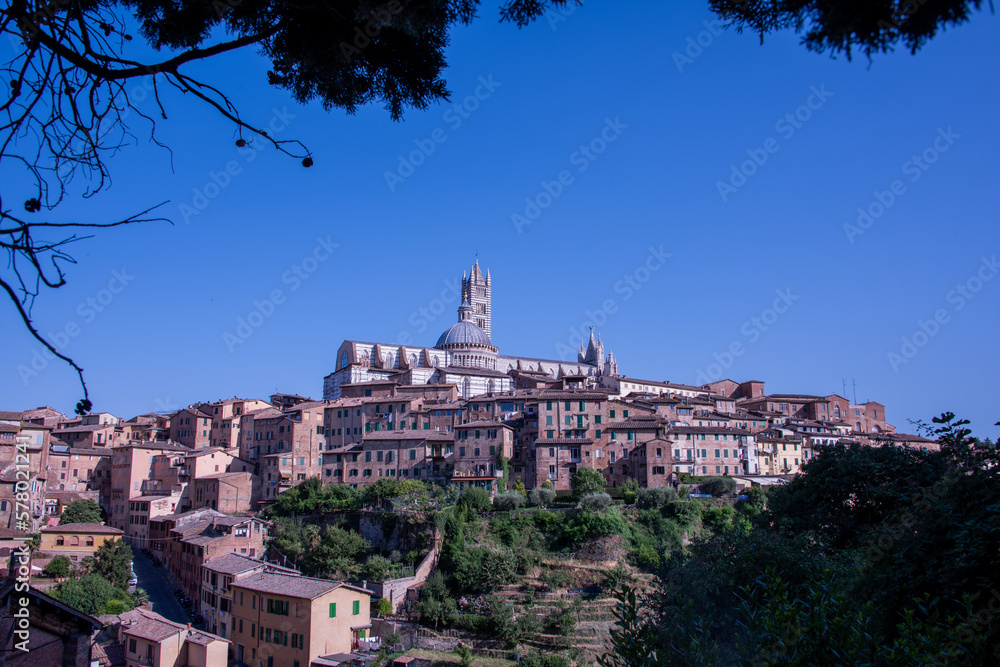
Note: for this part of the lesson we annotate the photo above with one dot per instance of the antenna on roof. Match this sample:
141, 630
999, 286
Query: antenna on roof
843, 383
855, 384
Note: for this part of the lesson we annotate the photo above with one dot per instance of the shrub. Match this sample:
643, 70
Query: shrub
718, 518
597, 502
685, 512
541, 497
59, 566
384, 608
475, 499
630, 491
376, 569
586, 480
655, 497
615, 578
719, 486
464, 655
543, 660
648, 558
508, 500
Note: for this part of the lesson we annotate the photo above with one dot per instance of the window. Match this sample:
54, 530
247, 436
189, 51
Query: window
131, 645
356, 607
278, 607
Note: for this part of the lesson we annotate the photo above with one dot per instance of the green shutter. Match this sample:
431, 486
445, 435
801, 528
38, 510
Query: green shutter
333, 610
357, 607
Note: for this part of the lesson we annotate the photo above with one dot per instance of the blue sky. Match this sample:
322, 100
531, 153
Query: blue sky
745, 163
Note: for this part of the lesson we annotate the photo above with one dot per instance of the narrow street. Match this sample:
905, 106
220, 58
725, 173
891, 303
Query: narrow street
155, 581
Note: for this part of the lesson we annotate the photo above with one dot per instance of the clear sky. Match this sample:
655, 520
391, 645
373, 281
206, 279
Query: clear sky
691, 192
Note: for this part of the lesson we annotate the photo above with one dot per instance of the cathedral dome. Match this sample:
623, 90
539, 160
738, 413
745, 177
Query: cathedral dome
463, 333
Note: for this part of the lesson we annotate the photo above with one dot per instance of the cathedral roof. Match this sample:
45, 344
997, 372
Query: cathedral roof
463, 333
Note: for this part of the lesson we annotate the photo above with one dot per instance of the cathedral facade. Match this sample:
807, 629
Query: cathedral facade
464, 355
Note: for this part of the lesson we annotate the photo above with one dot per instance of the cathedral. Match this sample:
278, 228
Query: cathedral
464, 355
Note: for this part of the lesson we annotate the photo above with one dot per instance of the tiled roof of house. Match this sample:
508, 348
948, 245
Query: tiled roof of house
293, 586
91, 451
482, 423
11, 534
94, 528
233, 564
708, 430
635, 423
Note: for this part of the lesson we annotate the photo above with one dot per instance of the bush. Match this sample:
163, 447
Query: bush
508, 500
655, 497
376, 569
685, 512
597, 502
718, 486
541, 497
475, 499
543, 660
60, 566
384, 608
630, 491
718, 518
648, 558
586, 480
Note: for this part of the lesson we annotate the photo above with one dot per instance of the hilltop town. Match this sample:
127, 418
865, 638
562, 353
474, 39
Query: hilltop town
187, 489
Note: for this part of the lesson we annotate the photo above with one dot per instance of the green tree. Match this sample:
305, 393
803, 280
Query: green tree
633, 640
384, 607
839, 28
93, 594
848, 490
436, 606
541, 497
596, 502
464, 654
586, 480
113, 562
718, 486
60, 566
82, 511
376, 569
508, 500
519, 486
475, 499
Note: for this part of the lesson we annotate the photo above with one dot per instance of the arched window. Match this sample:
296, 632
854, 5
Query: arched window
90, 541
466, 388
60, 541
489, 386
74, 541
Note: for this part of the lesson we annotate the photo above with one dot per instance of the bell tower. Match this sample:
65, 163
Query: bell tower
477, 290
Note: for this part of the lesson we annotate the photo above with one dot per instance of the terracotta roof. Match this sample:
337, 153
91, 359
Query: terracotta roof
109, 654
233, 564
482, 423
91, 451
288, 585
708, 430
634, 424
96, 528
10, 534
223, 475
